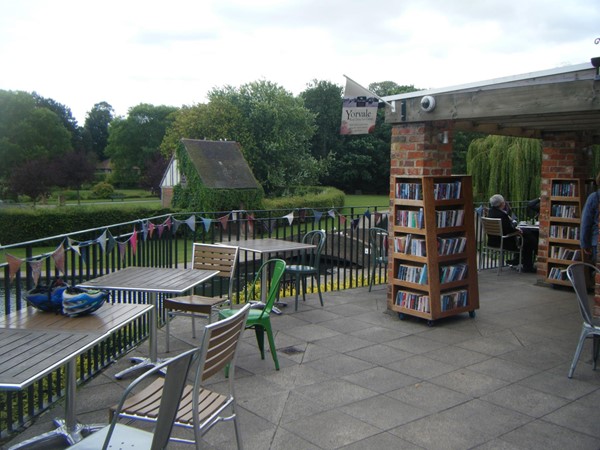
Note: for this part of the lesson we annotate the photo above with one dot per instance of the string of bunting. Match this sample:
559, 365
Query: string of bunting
107, 241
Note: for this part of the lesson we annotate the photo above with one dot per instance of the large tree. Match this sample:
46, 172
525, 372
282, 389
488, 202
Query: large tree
95, 128
135, 141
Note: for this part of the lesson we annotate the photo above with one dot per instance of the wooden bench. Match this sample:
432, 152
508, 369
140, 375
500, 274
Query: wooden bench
117, 196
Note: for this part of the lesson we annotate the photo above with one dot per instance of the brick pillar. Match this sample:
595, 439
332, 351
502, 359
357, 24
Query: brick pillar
561, 158
418, 149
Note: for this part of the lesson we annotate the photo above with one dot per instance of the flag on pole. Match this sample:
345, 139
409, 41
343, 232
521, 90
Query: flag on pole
359, 110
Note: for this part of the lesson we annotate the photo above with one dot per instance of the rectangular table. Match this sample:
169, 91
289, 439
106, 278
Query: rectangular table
152, 280
35, 343
264, 247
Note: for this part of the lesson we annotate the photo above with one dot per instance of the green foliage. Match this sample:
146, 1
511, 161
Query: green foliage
103, 190
316, 197
95, 129
505, 165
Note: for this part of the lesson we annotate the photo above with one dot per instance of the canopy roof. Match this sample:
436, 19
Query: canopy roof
564, 100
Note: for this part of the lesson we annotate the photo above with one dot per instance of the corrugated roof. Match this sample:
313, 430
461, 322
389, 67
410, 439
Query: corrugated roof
220, 164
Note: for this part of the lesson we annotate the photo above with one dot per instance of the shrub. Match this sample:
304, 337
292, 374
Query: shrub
103, 190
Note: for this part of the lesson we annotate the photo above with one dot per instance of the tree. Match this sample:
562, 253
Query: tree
33, 178
73, 170
66, 117
134, 141
155, 170
95, 128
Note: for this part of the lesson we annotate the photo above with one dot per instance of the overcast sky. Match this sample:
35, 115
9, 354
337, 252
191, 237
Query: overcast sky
127, 52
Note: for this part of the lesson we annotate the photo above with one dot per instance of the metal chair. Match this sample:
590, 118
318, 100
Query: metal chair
198, 408
493, 227
309, 264
260, 319
378, 242
205, 257
578, 274
117, 435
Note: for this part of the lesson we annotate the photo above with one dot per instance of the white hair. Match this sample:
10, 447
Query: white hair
496, 200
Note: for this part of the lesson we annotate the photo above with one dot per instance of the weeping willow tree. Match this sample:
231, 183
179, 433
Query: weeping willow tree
506, 165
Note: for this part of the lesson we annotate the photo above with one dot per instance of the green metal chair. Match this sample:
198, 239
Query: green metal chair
309, 264
260, 319
378, 241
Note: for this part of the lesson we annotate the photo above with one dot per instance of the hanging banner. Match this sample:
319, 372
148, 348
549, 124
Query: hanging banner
359, 109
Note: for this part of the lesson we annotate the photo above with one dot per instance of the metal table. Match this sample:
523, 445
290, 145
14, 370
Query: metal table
152, 280
34, 344
264, 247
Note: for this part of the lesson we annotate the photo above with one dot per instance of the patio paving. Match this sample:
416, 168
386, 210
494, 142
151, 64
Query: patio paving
353, 376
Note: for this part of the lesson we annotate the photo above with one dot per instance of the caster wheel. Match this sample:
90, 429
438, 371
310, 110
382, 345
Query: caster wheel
401, 316
472, 314
430, 323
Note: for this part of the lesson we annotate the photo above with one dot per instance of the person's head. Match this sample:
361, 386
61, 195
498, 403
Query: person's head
496, 201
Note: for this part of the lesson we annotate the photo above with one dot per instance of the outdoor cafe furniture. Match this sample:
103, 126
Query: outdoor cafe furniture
153, 281
35, 343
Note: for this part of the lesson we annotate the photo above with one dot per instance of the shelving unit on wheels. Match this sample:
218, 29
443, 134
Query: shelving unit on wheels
567, 199
434, 248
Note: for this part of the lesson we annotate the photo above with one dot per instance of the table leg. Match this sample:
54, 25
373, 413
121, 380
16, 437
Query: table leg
146, 363
67, 428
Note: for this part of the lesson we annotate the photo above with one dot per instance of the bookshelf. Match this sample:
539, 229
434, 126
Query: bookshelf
433, 248
567, 199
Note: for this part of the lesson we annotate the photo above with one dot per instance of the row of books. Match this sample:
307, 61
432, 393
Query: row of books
453, 273
564, 189
410, 300
557, 274
410, 218
450, 218
413, 274
450, 246
452, 300
447, 191
570, 254
565, 211
564, 232
409, 245
409, 191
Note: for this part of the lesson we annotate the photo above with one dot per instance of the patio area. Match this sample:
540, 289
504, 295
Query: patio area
354, 376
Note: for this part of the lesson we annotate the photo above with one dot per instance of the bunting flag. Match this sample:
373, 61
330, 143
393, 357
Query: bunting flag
151, 228
176, 224
318, 215
191, 222
111, 242
368, 214
251, 223
168, 222
59, 258
302, 215
342, 218
377, 217
223, 220
161, 227
207, 223
14, 265
101, 240
331, 213
359, 110
133, 241
355, 223
145, 230
74, 246
290, 217
36, 270
122, 249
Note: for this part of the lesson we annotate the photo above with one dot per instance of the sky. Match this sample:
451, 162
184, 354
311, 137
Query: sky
128, 52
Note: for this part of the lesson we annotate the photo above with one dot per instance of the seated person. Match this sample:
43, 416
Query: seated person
530, 238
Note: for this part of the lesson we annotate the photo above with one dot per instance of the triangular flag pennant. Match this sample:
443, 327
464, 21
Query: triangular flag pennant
145, 230
206, 221
110, 245
36, 270
151, 228
223, 220
83, 252
318, 215
377, 217
355, 222
191, 222
176, 224
101, 240
161, 228
251, 223
331, 213
14, 264
59, 258
368, 214
290, 217
302, 214
342, 218
122, 249
133, 241
74, 246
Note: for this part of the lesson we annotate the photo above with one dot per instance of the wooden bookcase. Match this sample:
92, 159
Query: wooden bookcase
433, 232
567, 199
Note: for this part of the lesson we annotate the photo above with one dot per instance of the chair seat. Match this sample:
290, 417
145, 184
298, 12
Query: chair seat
134, 437
193, 303
253, 315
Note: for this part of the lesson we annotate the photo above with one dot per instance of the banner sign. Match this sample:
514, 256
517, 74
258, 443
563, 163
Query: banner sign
359, 109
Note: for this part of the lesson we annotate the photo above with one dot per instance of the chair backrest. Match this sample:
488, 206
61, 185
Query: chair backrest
216, 257
174, 383
312, 257
577, 274
277, 268
378, 241
492, 227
